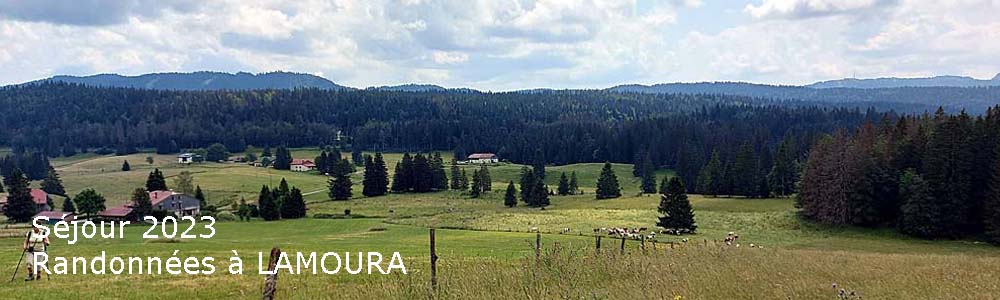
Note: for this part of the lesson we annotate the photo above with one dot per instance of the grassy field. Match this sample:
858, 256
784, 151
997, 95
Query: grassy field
486, 250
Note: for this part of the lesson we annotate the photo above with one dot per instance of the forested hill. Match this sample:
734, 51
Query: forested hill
557, 127
973, 99
894, 82
199, 81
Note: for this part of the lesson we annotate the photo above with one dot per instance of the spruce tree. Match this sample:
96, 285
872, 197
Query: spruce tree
141, 204
744, 172
540, 194
664, 184
67, 205
991, 205
340, 182
282, 159
783, 173
198, 194
293, 207
921, 213
401, 178
322, 165
527, 185
20, 206
574, 185
563, 188
156, 181
648, 179
475, 189
357, 156
675, 209
484, 179
381, 174
369, 183
439, 180
126, 167
510, 197
420, 174
711, 176
281, 192
607, 183
52, 184
463, 181
456, 182
267, 205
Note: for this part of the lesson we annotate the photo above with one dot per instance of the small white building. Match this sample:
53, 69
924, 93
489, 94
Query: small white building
302, 165
187, 158
483, 158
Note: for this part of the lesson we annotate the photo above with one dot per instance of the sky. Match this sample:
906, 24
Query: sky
505, 44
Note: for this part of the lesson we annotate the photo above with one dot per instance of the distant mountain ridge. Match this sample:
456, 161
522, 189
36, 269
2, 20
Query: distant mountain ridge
420, 88
894, 82
201, 81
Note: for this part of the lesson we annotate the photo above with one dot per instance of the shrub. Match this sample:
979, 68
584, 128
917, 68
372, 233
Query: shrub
225, 216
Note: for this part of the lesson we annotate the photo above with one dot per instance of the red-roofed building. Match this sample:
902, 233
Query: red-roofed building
40, 197
302, 165
119, 213
483, 158
56, 216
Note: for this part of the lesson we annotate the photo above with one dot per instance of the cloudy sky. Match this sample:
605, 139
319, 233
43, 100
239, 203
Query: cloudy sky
505, 44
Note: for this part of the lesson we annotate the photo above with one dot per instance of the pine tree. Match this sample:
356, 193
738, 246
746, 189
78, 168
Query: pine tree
648, 177
420, 174
282, 159
477, 185
744, 172
370, 182
563, 188
67, 205
266, 152
198, 194
664, 184
991, 205
574, 186
20, 206
381, 175
340, 182
783, 173
89, 202
484, 179
527, 184
184, 182
463, 181
156, 181
948, 167
293, 207
357, 156
921, 215
510, 197
52, 184
607, 183
401, 177
439, 180
267, 205
675, 209
322, 165
126, 167
540, 194
141, 204
456, 172
281, 192
711, 176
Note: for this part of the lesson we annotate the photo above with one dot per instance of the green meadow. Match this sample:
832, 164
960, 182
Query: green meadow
486, 250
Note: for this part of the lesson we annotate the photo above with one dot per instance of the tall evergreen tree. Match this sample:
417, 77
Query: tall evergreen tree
370, 181
648, 185
401, 181
510, 197
783, 173
52, 184
20, 206
67, 205
563, 188
293, 207
744, 172
456, 172
476, 188
322, 165
607, 183
948, 165
381, 179
340, 182
675, 209
156, 181
267, 205
282, 158
711, 176
463, 181
484, 179
421, 174
574, 185
527, 185
540, 194
439, 180
126, 167
357, 156
664, 184
991, 206
539, 165
198, 194
921, 215
141, 204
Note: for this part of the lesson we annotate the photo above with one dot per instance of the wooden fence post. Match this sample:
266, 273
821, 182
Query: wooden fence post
623, 246
434, 259
538, 245
654, 245
598, 247
271, 280
642, 244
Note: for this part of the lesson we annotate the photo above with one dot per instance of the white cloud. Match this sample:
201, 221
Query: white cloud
812, 8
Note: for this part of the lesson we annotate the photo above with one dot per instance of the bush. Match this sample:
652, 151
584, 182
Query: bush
225, 216
347, 212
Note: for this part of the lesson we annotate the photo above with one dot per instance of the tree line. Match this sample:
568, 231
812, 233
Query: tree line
930, 176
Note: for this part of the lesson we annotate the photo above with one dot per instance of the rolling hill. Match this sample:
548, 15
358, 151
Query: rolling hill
200, 81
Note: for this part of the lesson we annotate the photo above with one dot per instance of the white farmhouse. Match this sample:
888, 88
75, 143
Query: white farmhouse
483, 158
